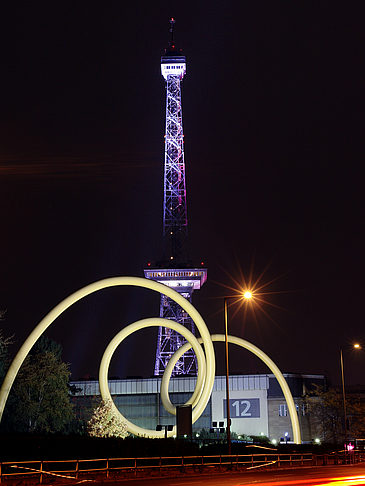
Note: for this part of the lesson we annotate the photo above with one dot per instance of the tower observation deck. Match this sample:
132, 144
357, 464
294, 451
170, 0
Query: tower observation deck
174, 270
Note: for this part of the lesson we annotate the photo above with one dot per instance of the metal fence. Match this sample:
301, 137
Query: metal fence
46, 471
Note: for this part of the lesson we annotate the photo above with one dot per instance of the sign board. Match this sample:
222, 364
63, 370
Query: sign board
242, 408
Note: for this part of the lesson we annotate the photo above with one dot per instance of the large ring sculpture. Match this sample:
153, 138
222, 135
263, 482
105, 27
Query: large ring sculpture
206, 365
94, 287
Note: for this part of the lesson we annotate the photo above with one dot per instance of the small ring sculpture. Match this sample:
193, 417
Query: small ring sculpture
136, 326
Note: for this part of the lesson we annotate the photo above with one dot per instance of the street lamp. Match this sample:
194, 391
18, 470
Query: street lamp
247, 295
355, 346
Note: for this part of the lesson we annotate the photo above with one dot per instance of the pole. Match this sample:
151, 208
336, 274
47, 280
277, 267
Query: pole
227, 377
343, 396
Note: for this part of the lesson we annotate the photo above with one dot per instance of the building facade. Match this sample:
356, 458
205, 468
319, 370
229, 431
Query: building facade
257, 404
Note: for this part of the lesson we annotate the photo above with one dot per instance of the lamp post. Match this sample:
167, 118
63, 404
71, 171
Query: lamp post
227, 376
343, 394
355, 346
246, 295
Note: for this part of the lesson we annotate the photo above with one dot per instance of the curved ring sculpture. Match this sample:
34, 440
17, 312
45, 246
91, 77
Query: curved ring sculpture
94, 287
256, 351
206, 368
136, 326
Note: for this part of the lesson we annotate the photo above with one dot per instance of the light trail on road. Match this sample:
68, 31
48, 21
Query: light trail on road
316, 476
342, 481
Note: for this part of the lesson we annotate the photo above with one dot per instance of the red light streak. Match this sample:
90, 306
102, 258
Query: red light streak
344, 481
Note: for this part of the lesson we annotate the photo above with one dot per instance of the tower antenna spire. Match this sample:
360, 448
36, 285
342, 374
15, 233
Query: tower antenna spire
172, 23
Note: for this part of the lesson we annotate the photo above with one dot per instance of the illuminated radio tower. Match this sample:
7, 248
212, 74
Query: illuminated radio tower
174, 271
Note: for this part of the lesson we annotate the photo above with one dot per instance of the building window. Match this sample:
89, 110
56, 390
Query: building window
301, 409
283, 410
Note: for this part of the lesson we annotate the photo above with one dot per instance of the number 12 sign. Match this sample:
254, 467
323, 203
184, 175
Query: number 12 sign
242, 408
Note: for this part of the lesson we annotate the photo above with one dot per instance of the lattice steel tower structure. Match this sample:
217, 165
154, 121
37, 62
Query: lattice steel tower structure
174, 270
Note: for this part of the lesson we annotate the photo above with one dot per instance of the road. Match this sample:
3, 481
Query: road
352, 475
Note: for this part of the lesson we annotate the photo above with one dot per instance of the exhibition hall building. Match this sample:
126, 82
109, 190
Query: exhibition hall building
257, 403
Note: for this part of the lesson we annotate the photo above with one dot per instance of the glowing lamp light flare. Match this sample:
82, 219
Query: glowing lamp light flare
247, 295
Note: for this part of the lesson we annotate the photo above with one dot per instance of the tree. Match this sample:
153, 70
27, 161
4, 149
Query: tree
326, 408
39, 399
4, 351
4, 354
105, 422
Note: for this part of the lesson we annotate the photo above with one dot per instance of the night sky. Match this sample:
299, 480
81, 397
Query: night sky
273, 113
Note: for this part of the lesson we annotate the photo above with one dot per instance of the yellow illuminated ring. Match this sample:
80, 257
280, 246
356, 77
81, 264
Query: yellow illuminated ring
201, 394
114, 343
250, 347
94, 287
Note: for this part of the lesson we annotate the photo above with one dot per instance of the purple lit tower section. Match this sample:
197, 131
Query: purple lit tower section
174, 270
